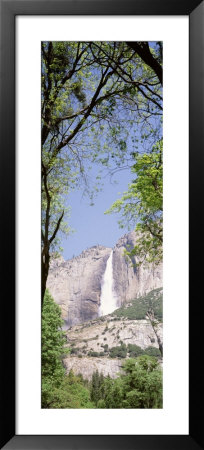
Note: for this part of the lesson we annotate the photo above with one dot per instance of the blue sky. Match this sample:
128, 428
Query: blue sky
91, 225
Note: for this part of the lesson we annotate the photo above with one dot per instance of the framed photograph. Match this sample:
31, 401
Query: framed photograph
111, 35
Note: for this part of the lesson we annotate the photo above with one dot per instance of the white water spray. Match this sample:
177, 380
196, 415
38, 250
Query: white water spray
108, 296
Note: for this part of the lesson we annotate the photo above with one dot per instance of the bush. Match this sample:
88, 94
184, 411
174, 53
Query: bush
74, 350
135, 350
153, 351
118, 351
95, 354
105, 347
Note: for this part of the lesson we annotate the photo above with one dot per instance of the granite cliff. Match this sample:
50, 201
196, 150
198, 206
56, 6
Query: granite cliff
132, 280
76, 284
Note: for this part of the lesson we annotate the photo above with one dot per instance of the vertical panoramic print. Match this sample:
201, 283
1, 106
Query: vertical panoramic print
102, 225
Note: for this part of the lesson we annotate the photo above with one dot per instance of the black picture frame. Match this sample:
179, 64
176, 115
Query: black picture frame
9, 10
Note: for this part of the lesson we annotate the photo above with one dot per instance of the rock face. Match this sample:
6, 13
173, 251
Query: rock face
132, 281
87, 365
76, 284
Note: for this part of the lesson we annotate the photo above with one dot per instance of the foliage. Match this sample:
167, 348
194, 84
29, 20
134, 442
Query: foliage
105, 347
52, 348
58, 390
70, 394
135, 350
142, 205
74, 350
131, 350
142, 383
139, 386
153, 351
140, 306
119, 351
96, 386
94, 354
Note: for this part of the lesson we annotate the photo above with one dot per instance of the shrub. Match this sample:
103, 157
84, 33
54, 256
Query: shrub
118, 351
153, 351
95, 354
105, 346
74, 350
135, 350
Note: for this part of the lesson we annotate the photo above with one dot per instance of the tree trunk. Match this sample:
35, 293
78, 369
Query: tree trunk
150, 314
44, 272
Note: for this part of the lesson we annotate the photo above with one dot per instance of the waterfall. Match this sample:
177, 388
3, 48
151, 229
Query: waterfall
108, 297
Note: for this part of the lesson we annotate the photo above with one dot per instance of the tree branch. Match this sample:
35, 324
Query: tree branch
57, 228
144, 52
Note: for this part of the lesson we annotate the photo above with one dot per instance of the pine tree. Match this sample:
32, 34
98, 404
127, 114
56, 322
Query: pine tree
52, 349
97, 385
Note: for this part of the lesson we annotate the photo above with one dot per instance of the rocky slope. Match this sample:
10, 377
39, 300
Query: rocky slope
105, 342
76, 284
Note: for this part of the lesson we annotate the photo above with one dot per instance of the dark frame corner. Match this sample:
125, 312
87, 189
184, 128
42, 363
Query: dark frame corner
9, 9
